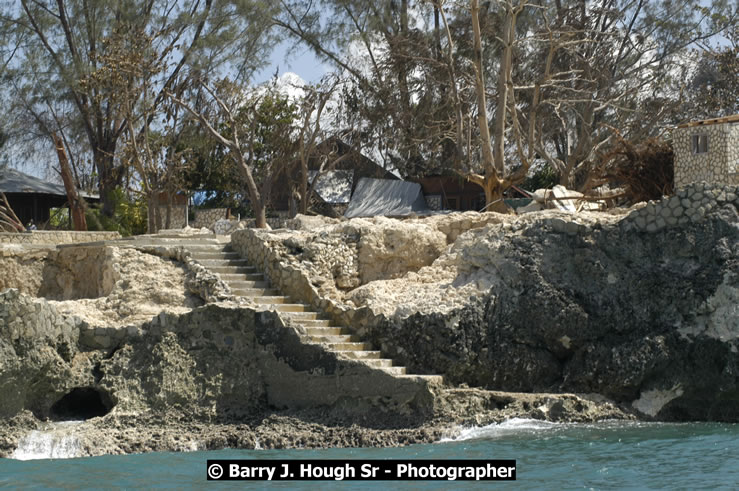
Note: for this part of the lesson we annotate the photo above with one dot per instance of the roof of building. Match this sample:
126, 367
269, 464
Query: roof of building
726, 119
15, 181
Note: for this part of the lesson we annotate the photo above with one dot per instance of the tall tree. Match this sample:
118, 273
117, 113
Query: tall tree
713, 90
628, 59
67, 41
320, 121
386, 48
257, 129
523, 80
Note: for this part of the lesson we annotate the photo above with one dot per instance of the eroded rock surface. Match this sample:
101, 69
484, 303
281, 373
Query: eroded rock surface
139, 286
533, 312
641, 308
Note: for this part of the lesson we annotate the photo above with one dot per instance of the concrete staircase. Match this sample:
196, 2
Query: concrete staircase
245, 281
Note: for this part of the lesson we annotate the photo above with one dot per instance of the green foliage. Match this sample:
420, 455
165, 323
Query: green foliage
265, 123
211, 169
271, 122
129, 219
59, 219
543, 177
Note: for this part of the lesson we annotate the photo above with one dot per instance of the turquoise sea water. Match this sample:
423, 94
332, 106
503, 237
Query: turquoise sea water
549, 456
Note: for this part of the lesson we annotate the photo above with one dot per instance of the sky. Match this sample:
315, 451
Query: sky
303, 63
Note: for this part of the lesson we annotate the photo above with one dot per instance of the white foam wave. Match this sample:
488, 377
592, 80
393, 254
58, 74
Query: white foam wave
513, 426
55, 442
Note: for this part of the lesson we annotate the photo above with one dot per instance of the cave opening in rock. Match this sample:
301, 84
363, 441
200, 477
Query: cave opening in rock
81, 403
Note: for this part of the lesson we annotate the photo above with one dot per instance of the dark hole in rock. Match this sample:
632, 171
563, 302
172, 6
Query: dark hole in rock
81, 403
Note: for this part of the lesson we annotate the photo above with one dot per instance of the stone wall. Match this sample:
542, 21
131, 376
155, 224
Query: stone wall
215, 219
718, 165
178, 218
734, 153
265, 250
56, 237
58, 274
23, 267
690, 204
207, 218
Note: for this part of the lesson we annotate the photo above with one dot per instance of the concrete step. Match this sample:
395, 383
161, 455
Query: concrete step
219, 263
201, 247
436, 379
213, 255
326, 331
394, 370
246, 277
208, 247
243, 270
377, 362
245, 288
290, 307
228, 277
360, 355
332, 339
255, 292
181, 243
302, 316
353, 346
170, 236
276, 299
316, 323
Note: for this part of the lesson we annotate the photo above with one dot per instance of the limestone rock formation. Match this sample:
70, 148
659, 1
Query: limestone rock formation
640, 312
641, 308
643, 316
39, 355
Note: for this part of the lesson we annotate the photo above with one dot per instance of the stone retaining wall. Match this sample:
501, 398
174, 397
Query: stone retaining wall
56, 237
178, 219
690, 204
25, 318
268, 251
264, 250
58, 273
207, 218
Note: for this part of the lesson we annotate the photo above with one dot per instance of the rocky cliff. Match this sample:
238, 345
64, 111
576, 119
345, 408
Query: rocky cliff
637, 313
641, 308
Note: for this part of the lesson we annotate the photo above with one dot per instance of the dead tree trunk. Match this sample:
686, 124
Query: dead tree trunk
76, 203
8, 219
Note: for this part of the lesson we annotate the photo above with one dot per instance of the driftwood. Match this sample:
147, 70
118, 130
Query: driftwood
9, 221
